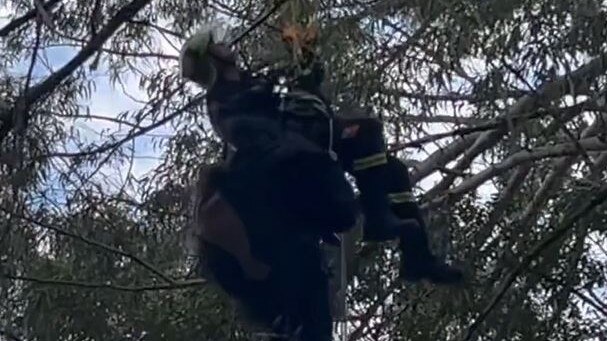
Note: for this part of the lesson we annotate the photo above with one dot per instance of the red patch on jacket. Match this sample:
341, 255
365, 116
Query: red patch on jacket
350, 132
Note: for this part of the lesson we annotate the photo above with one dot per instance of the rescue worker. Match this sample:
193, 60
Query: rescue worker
245, 112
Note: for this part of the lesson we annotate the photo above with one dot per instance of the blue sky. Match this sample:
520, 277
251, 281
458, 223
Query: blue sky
107, 100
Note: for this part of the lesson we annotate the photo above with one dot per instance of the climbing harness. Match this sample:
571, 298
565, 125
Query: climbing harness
305, 104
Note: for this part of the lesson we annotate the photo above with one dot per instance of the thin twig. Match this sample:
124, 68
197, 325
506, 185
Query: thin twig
124, 14
370, 312
20, 21
116, 52
591, 302
97, 244
443, 119
100, 117
498, 123
598, 300
9, 335
47, 86
30, 70
44, 16
595, 302
105, 148
88, 285
20, 116
573, 139
488, 138
258, 22
527, 104
551, 182
568, 223
156, 27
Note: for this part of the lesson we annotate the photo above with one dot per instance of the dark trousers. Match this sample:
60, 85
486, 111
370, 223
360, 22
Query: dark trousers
360, 147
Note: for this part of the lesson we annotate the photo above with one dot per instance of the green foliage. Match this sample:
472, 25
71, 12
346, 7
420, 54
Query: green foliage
95, 175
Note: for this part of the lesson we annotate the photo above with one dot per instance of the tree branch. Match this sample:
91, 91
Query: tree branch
514, 183
563, 149
560, 168
45, 87
448, 97
593, 301
370, 312
441, 157
102, 118
124, 14
485, 141
20, 21
596, 305
444, 119
529, 103
568, 223
497, 123
501, 126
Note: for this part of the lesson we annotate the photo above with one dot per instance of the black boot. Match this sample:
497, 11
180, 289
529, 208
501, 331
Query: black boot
380, 222
417, 261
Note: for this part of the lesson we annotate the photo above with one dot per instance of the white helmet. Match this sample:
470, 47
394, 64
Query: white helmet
195, 63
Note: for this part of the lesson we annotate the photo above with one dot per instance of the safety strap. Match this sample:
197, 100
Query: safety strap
319, 104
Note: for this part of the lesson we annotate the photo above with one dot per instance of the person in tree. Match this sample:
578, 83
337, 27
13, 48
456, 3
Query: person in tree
245, 111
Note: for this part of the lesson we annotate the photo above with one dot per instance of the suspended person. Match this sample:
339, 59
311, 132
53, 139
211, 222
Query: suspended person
248, 217
390, 210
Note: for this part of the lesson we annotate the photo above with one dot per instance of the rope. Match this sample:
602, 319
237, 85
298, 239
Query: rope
332, 153
344, 287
